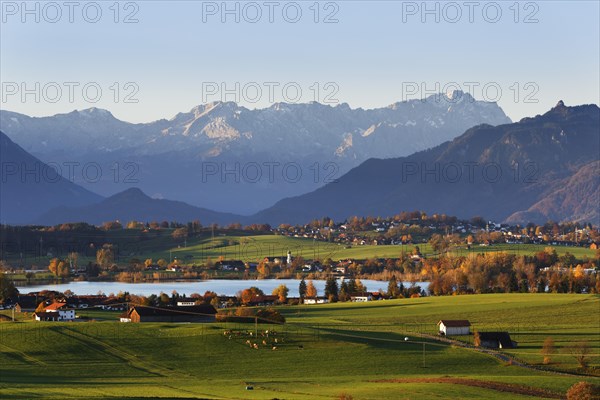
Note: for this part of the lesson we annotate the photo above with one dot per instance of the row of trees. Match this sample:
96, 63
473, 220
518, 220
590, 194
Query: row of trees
502, 272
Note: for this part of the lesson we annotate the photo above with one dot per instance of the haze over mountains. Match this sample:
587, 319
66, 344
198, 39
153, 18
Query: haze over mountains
539, 169
28, 186
226, 157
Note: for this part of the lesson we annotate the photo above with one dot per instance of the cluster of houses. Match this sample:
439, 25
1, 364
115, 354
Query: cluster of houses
343, 234
29, 302
490, 340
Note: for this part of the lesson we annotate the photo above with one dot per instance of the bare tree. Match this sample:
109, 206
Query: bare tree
580, 351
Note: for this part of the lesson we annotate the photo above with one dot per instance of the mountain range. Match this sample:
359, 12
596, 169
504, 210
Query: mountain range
538, 169
227, 157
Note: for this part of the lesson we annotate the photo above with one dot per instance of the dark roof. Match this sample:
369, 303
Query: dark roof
45, 314
501, 337
454, 323
204, 309
263, 298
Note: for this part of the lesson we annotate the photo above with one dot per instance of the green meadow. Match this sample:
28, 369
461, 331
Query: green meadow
254, 247
322, 351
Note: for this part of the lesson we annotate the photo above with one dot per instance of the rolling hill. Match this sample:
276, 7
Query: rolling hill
133, 205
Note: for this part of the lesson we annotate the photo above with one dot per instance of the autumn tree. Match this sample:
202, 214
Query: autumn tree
179, 234
583, 391
105, 256
439, 243
58, 268
112, 226
548, 349
40, 307
311, 290
73, 259
282, 292
247, 295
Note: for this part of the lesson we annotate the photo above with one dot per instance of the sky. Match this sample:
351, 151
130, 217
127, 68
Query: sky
146, 60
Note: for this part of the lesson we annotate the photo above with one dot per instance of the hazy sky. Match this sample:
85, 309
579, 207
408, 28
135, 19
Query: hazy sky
172, 55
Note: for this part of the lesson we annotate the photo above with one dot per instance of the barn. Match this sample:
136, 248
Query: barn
454, 327
494, 340
197, 313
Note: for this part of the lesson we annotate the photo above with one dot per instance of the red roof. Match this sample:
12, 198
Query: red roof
55, 306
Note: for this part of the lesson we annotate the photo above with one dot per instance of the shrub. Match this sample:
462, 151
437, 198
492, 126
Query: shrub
583, 391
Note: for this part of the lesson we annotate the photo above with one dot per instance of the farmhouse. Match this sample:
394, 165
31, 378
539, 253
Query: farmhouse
196, 313
55, 312
316, 300
494, 340
365, 296
450, 327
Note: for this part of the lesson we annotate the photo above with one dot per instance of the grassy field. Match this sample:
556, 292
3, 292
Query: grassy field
321, 352
253, 248
240, 245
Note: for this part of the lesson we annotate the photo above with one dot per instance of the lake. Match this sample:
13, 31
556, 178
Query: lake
220, 286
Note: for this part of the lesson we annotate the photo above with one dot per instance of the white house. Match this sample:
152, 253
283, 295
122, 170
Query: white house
361, 297
186, 303
55, 315
449, 327
316, 300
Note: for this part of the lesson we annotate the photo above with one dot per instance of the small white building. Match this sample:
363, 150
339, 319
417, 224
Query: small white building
316, 300
361, 297
448, 327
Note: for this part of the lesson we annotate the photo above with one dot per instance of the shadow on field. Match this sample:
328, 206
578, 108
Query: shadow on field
378, 339
361, 306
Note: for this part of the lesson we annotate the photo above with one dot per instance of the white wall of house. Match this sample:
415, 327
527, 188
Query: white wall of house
360, 299
66, 315
454, 330
315, 301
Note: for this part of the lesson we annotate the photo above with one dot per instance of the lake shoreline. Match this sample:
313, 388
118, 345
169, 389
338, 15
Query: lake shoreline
229, 287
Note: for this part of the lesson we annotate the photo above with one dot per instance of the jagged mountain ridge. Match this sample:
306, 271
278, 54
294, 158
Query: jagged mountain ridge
171, 153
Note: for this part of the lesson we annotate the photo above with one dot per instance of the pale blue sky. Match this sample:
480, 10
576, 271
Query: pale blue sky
372, 53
